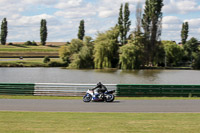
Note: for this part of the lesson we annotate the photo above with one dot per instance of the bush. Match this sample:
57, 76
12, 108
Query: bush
57, 64
174, 53
34, 43
196, 63
10, 43
46, 59
29, 43
131, 56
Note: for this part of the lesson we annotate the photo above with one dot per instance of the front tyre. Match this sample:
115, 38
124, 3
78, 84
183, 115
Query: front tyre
87, 98
109, 98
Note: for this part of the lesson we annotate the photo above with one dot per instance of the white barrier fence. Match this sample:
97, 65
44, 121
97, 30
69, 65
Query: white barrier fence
65, 89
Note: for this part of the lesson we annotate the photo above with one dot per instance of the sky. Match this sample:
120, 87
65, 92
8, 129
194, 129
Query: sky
63, 18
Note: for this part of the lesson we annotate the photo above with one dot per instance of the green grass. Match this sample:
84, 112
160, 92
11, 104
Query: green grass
25, 48
117, 98
16, 51
63, 122
22, 64
27, 62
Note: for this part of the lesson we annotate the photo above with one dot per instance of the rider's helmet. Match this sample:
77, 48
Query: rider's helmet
99, 84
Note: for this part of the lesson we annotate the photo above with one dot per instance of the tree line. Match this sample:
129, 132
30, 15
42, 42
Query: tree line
121, 48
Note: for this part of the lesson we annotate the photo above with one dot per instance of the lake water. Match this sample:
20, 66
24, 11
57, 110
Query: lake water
58, 75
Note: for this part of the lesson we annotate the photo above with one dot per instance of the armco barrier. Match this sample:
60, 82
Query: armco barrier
138, 90
65, 89
16, 89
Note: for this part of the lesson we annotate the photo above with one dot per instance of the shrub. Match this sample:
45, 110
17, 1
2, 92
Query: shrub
57, 64
46, 59
174, 53
34, 43
29, 43
10, 43
196, 63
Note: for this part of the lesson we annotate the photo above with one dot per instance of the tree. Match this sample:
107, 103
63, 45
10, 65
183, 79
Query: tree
106, 49
191, 47
120, 24
124, 23
132, 54
81, 31
184, 32
84, 58
66, 52
159, 57
173, 53
138, 18
146, 20
196, 63
137, 31
76, 45
127, 22
78, 54
4, 31
43, 31
151, 23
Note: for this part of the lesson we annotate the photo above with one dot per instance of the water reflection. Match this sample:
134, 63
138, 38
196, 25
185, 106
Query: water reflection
109, 76
145, 73
106, 70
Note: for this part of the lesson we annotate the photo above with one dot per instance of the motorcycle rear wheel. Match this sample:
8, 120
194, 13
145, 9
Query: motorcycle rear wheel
109, 98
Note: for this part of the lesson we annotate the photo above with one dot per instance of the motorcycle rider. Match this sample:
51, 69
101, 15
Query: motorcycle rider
101, 89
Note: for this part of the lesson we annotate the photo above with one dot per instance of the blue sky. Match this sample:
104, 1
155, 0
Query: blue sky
63, 17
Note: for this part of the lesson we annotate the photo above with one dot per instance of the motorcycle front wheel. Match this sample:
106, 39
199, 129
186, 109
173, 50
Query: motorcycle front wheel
109, 98
87, 98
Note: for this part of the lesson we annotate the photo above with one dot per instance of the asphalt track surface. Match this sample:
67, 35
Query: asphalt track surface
146, 106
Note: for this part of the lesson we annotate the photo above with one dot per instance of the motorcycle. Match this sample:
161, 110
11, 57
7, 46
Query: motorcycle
107, 96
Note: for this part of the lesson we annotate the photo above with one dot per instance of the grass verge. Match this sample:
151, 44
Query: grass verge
22, 64
26, 48
62, 122
27, 62
16, 51
80, 98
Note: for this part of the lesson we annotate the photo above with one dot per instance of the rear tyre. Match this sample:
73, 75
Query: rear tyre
109, 98
87, 98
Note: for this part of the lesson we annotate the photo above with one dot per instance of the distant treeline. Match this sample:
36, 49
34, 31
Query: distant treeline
121, 48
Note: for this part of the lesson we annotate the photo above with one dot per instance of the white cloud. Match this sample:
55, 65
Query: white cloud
87, 10
193, 23
171, 20
180, 6
171, 28
18, 20
68, 4
92, 31
194, 27
10, 8
74, 14
110, 8
171, 23
106, 13
99, 15
45, 2
123, 1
